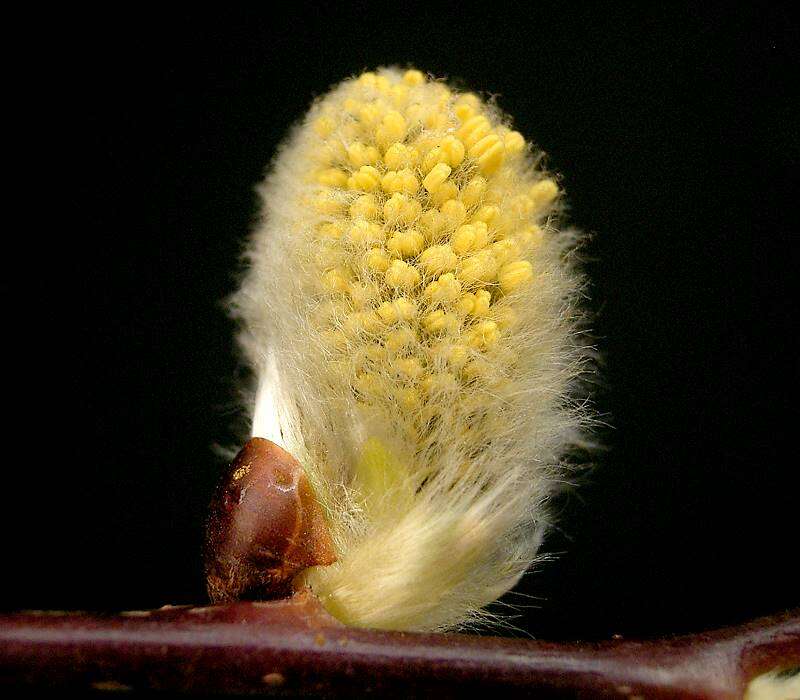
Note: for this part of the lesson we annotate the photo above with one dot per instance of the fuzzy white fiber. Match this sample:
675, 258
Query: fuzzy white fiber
410, 314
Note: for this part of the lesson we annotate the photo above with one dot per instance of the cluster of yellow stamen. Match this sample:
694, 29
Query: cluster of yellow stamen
430, 216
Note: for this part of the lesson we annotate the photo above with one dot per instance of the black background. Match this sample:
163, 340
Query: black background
676, 134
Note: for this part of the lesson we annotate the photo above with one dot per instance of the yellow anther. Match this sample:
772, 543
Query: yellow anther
435, 120
366, 178
365, 233
407, 397
359, 154
335, 339
400, 208
406, 244
470, 238
444, 290
362, 295
331, 229
412, 78
522, 205
352, 105
402, 181
400, 339
399, 95
483, 334
441, 382
332, 178
482, 301
336, 280
382, 84
514, 275
432, 159
465, 304
408, 367
473, 130
361, 322
514, 143
447, 191
505, 250
440, 321
487, 213
436, 177
432, 222
376, 260
473, 191
530, 237
401, 309
402, 275
399, 156
367, 79
324, 126
438, 259
452, 150
369, 115
480, 268
478, 369
454, 212
364, 207
454, 355
489, 152
467, 106
392, 128
505, 317
543, 193
327, 205
369, 384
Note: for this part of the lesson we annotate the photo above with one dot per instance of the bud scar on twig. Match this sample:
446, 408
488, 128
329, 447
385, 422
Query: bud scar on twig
265, 526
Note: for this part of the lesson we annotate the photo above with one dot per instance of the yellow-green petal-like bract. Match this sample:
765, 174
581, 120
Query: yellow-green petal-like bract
410, 314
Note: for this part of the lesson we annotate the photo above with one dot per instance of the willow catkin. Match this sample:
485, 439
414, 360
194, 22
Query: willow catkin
409, 311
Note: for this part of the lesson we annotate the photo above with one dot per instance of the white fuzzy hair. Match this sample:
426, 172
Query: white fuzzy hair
436, 508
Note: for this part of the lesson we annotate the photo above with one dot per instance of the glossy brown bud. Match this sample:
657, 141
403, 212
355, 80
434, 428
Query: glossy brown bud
265, 526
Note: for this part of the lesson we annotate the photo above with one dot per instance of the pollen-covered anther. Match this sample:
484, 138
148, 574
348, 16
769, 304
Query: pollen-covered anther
402, 275
359, 154
438, 259
406, 244
481, 268
401, 309
364, 207
366, 178
454, 212
408, 367
543, 193
392, 128
365, 233
473, 191
483, 334
444, 290
400, 208
376, 260
436, 177
399, 156
515, 275
470, 237
439, 321
473, 130
446, 191
331, 177
400, 181
514, 143
413, 78
400, 339
489, 152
